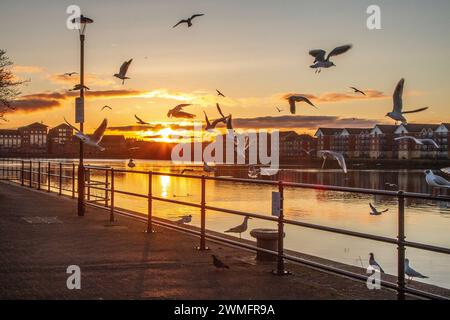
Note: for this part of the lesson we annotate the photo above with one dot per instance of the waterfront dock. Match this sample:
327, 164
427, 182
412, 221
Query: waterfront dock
124, 262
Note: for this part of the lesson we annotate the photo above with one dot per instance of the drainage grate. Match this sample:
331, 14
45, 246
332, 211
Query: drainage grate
42, 220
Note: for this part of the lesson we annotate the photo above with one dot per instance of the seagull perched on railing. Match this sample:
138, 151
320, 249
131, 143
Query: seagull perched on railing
419, 141
298, 98
436, 181
411, 273
336, 155
240, 228
207, 168
93, 140
374, 264
188, 21
219, 264
321, 62
177, 112
123, 71
375, 211
397, 111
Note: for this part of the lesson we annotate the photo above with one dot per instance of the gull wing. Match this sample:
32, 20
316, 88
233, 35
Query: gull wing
409, 138
432, 142
416, 110
446, 170
374, 210
197, 15
340, 159
98, 134
220, 110
292, 104
180, 22
229, 123
208, 124
305, 99
440, 180
124, 67
339, 50
182, 114
181, 106
397, 97
139, 119
319, 54
67, 122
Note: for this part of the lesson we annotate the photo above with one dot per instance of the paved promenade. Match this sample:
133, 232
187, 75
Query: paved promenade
123, 262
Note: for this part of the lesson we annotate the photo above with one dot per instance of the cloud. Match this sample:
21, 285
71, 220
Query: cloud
330, 97
27, 69
152, 127
90, 79
301, 122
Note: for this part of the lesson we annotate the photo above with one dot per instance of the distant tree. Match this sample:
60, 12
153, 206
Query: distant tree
9, 85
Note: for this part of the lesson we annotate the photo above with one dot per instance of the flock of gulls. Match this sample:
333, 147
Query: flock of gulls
321, 61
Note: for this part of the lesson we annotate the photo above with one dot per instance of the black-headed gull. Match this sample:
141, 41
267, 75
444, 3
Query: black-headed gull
188, 21
419, 141
336, 155
95, 138
123, 71
240, 228
374, 211
298, 98
436, 181
397, 111
321, 62
374, 264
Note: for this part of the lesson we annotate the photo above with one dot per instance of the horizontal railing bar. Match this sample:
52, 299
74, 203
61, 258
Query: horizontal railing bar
427, 247
185, 203
242, 213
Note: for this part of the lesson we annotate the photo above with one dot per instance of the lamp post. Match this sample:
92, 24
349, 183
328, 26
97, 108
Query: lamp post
82, 22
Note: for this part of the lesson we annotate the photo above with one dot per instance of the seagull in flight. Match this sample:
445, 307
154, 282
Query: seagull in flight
78, 87
336, 155
240, 228
106, 107
220, 93
375, 211
419, 141
374, 264
397, 111
212, 125
278, 109
218, 263
446, 170
94, 139
391, 186
188, 21
207, 168
308, 152
70, 74
139, 120
123, 71
177, 112
411, 273
298, 98
321, 62
358, 91
436, 181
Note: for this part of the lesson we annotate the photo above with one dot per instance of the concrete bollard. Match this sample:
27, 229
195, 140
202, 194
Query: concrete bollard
266, 239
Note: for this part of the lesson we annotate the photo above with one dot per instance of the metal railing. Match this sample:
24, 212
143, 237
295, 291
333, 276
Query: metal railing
29, 173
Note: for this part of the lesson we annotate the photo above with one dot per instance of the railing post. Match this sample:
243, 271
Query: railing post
111, 210
280, 260
49, 176
401, 247
88, 184
106, 187
22, 169
73, 180
149, 203
31, 174
39, 176
60, 178
203, 217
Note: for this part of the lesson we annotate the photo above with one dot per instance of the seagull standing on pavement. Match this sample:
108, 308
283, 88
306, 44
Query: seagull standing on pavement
419, 141
188, 21
436, 181
298, 98
93, 140
358, 91
219, 264
336, 155
375, 211
411, 273
185, 219
397, 111
321, 62
240, 228
123, 71
374, 264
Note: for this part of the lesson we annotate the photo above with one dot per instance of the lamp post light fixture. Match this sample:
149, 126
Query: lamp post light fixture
82, 22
